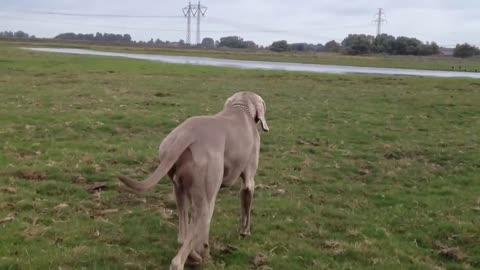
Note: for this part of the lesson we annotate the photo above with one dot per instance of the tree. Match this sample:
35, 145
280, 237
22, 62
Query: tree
232, 42
208, 43
20, 35
299, 47
6, 34
126, 38
250, 44
465, 50
435, 49
98, 36
332, 46
384, 44
65, 36
406, 45
319, 47
428, 49
15, 35
358, 44
305, 47
279, 46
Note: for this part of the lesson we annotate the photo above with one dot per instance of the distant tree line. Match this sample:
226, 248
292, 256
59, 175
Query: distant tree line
356, 44
115, 38
159, 42
16, 35
353, 44
229, 42
105, 37
282, 46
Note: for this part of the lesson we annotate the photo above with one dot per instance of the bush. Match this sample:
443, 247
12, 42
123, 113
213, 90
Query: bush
465, 50
332, 46
279, 46
235, 42
358, 44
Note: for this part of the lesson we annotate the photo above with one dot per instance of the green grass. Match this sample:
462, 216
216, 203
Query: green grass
389, 61
358, 172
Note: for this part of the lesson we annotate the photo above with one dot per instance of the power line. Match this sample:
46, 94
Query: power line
94, 15
114, 26
292, 32
223, 31
251, 28
243, 25
88, 25
179, 30
256, 28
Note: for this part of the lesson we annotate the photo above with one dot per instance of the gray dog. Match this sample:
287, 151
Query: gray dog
203, 154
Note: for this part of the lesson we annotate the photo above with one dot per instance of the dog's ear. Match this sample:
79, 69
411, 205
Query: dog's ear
261, 108
228, 101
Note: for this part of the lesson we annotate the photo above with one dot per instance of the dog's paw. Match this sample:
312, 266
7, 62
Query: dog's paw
194, 259
245, 233
176, 266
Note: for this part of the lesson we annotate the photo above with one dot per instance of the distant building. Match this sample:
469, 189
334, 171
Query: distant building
446, 51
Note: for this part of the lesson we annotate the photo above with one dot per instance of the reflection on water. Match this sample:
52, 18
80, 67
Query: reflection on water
246, 64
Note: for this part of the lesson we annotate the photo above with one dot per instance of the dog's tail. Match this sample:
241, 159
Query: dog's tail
170, 150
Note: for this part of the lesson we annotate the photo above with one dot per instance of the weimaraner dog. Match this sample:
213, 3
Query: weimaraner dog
200, 156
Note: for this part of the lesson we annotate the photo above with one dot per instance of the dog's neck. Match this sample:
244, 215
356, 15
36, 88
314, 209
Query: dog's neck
238, 105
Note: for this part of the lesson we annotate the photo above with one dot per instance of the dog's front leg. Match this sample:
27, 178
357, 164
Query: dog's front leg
246, 197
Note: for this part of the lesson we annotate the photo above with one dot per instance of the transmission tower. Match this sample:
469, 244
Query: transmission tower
199, 12
188, 12
379, 20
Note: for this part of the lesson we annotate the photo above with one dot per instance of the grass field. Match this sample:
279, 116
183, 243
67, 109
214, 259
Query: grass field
389, 61
357, 172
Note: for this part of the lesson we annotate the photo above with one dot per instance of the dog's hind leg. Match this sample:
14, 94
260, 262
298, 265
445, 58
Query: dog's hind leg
199, 218
213, 181
183, 219
182, 206
191, 177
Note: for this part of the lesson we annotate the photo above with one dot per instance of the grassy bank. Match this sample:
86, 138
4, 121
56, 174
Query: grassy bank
358, 172
390, 61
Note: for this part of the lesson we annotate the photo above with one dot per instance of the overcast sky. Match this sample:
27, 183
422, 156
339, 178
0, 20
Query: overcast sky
315, 21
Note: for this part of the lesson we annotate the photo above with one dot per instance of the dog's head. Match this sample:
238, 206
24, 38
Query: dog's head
254, 103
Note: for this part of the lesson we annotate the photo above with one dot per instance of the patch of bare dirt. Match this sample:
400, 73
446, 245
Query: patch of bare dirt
393, 152
335, 246
308, 142
96, 186
26, 155
31, 175
10, 190
453, 253
6, 219
259, 262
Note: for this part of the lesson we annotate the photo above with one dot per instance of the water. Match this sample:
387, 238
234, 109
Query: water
247, 64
